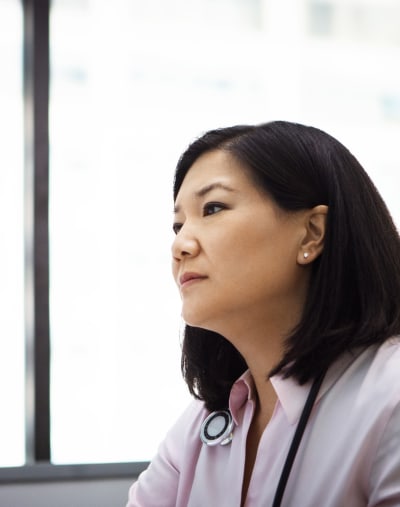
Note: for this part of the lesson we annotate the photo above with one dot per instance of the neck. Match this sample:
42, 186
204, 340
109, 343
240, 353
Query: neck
262, 349
259, 335
260, 361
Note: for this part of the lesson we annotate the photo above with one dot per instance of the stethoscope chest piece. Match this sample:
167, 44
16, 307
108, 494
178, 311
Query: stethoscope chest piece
217, 428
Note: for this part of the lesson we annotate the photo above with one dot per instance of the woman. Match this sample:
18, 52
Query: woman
288, 266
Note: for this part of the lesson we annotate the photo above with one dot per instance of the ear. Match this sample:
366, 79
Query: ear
313, 241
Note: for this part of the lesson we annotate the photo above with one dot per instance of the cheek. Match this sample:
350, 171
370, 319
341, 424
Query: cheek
260, 260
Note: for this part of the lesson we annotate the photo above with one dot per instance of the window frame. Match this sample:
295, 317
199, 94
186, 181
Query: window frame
36, 78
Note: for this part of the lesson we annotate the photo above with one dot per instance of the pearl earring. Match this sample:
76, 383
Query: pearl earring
305, 255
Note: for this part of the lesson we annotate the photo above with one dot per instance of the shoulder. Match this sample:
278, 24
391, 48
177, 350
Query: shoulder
368, 372
170, 473
183, 437
191, 418
373, 367
382, 373
372, 380
364, 388
384, 384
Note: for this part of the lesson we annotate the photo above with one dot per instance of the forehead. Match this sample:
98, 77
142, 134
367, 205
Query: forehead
212, 167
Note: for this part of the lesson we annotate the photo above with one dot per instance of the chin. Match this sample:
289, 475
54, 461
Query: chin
201, 323
193, 322
209, 315
195, 319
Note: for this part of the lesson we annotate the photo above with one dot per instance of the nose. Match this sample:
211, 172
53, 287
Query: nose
185, 245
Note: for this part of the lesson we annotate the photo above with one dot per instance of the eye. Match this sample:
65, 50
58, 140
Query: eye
176, 227
211, 208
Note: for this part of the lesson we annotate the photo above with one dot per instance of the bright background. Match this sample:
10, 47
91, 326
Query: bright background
132, 83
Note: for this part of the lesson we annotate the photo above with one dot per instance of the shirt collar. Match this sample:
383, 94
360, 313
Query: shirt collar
291, 395
241, 392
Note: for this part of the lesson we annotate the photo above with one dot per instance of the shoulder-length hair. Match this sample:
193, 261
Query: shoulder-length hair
353, 298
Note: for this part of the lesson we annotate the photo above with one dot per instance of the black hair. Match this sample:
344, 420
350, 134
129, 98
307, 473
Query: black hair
353, 298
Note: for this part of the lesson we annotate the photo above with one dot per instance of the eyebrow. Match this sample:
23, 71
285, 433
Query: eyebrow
205, 190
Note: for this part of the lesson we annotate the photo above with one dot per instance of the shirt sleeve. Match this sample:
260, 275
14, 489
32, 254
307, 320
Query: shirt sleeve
385, 472
166, 479
156, 486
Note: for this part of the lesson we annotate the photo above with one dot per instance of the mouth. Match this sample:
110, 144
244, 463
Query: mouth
189, 278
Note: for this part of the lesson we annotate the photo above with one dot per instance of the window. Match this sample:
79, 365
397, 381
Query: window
136, 82
122, 107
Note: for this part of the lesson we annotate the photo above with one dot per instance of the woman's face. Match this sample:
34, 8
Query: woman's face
235, 254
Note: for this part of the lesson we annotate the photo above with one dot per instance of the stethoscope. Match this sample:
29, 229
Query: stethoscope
217, 428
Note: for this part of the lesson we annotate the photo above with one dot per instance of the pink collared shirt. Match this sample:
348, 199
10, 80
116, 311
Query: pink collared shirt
349, 455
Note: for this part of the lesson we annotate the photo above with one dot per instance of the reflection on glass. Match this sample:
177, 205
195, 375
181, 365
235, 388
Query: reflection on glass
11, 226
132, 86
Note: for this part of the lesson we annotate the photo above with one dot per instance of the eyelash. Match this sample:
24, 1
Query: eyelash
207, 211
176, 227
209, 205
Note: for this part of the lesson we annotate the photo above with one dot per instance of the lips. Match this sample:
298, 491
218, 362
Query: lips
186, 278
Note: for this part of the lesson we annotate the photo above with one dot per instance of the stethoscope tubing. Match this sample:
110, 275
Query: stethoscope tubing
294, 446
